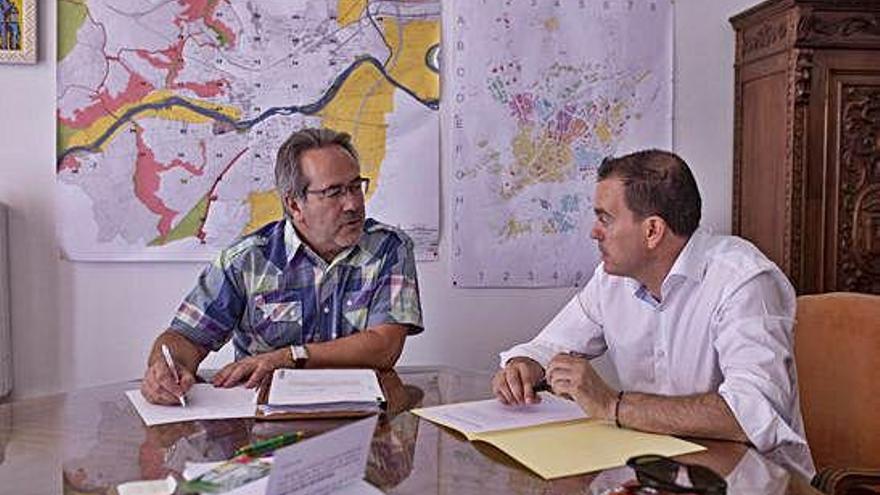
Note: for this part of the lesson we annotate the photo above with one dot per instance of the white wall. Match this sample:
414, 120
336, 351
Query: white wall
80, 324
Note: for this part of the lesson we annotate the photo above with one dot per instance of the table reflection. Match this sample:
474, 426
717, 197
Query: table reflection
91, 440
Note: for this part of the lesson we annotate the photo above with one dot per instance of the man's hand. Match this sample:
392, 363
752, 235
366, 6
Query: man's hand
253, 370
159, 386
515, 383
574, 376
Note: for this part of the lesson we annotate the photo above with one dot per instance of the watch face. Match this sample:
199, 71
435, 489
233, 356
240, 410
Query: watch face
302, 352
300, 355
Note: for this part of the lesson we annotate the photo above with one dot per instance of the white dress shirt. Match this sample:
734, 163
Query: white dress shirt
723, 324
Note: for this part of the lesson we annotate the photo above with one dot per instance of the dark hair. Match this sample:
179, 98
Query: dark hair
289, 178
657, 183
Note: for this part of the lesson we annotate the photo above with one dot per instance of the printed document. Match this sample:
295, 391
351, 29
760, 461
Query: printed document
489, 415
325, 463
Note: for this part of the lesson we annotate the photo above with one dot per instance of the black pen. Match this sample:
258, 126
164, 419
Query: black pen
542, 386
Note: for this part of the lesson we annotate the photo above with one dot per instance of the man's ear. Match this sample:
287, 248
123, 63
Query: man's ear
294, 207
655, 230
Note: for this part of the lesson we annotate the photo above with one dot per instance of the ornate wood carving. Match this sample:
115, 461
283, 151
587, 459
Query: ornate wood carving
830, 27
771, 34
802, 72
859, 208
797, 121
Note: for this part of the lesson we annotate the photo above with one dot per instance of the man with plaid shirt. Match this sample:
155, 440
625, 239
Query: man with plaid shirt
324, 287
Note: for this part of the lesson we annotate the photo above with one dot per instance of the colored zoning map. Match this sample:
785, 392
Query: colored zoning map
169, 116
542, 92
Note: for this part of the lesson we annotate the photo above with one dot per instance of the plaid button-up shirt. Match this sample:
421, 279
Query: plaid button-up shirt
270, 290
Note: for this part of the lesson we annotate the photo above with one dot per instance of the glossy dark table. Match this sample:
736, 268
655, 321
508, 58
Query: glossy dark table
90, 440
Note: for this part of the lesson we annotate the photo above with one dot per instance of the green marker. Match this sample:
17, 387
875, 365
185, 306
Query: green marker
257, 449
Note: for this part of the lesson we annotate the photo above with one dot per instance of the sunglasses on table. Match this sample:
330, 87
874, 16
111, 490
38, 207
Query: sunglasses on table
661, 473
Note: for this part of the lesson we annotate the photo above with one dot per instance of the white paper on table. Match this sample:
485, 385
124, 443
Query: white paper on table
491, 415
203, 401
325, 463
148, 487
323, 386
258, 487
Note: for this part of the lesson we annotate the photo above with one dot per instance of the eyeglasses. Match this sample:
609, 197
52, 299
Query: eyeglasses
357, 187
660, 473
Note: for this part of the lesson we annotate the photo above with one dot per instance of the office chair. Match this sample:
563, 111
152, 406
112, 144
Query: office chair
837, 352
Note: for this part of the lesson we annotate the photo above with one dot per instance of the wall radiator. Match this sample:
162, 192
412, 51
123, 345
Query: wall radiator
5, 319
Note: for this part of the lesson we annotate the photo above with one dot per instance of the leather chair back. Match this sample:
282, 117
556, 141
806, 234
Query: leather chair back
837, 352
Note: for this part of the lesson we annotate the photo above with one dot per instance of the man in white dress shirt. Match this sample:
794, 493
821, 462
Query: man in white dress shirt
698, 327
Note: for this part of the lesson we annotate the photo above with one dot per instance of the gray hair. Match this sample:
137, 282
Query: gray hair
289, 177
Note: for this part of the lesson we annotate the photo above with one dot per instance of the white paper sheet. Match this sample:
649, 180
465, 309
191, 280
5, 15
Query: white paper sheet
204, 401
258, 487
323, 464
491, 415
148, 487
298, 387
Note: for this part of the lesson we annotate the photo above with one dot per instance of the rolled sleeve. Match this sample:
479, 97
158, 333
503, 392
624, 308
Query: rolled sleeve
576, 327
211, 311
396, 298
755, 353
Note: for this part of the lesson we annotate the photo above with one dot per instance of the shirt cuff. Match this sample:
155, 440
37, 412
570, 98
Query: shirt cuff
541, 352
197, 336
413, 325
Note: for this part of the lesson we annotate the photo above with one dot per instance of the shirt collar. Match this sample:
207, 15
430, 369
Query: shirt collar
691, 261
293, 243
689, 265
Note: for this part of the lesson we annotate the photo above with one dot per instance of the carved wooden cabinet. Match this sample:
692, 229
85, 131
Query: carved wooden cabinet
806, 184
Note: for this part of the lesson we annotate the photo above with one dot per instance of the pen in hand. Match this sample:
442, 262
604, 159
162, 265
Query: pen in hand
544, 386
170, 362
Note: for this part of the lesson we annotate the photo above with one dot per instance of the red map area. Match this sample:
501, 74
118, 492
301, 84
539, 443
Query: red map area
103, 103
205, 10
147, 180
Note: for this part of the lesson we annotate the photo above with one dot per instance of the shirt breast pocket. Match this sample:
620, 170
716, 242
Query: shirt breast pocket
276, 321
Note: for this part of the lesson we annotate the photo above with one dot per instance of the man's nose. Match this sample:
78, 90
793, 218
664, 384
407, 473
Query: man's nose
595, 231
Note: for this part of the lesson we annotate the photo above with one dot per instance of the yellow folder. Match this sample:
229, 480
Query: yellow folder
555, 450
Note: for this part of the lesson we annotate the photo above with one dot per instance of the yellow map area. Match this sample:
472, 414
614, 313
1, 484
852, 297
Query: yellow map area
93, 133
350, 11
265, 207
537, 159
407, 65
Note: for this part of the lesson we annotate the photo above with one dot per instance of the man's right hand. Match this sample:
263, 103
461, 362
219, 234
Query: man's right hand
159, 386
515, 383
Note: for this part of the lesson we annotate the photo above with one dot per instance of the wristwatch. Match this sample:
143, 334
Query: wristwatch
300, 356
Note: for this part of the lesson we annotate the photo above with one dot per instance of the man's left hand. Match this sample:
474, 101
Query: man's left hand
252, 370
574, 376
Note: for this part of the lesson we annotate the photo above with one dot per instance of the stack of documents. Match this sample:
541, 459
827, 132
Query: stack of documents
553, 438
330, 392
